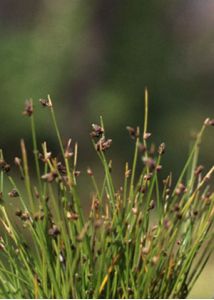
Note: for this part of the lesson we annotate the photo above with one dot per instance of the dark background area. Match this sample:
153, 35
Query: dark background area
95, 58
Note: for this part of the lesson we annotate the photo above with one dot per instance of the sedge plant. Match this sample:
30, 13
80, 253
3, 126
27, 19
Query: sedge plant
148, 238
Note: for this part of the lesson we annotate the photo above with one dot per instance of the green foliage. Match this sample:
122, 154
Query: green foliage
139, 241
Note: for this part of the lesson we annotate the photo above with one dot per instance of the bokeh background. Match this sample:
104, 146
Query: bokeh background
95, 58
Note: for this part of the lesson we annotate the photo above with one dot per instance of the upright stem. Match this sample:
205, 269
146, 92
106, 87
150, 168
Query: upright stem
26, 172
146, 105
35, 152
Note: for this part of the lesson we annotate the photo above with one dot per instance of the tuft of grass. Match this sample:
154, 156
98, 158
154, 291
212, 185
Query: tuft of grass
146, 239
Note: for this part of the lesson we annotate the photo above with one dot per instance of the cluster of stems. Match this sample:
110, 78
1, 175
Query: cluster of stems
144, 239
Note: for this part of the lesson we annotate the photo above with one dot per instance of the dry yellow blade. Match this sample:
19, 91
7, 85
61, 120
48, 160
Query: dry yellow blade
105, 280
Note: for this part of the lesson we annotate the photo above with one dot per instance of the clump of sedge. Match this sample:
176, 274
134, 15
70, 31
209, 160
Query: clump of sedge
146, 238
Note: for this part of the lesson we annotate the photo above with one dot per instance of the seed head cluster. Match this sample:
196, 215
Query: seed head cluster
141, 236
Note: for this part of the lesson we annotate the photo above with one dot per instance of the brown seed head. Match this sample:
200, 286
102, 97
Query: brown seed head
146, 135
38, 216
132, 132
159, 168
17, 161
147, 176
76, 173
68, 152
103, 144
72, 216
180, 189
97, 130
151, 205
28, 111
152, 149
134, 210
154, 260
128, 173
46, 102
162, 148
18, 213
145, 250
4, 166
90, 172
209, 122
166, 223
95, 204
61, 168
141, 147
199, 170
25, 216
149, 162
45, 157
54, 231
13, 194
49, 177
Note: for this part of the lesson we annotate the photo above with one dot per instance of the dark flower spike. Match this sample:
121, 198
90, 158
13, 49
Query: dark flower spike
152, 149
68, 152
61, 168
4, 166
132, 132
209, 122
199, 170
103, 144
180, 189
162, 148
148, 176
76, 173
166, 223
149, 162
46, 102
90, 172
155, 260
49, 177
146, 135
18, 213
38, 216
54, 231
128, 173
13, 194
17, 161
25, 216
142, 147
159, 168
97, 130
47, 155
72, 216
151, 205
28, 111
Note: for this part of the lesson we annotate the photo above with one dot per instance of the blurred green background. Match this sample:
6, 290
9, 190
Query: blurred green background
95, 58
